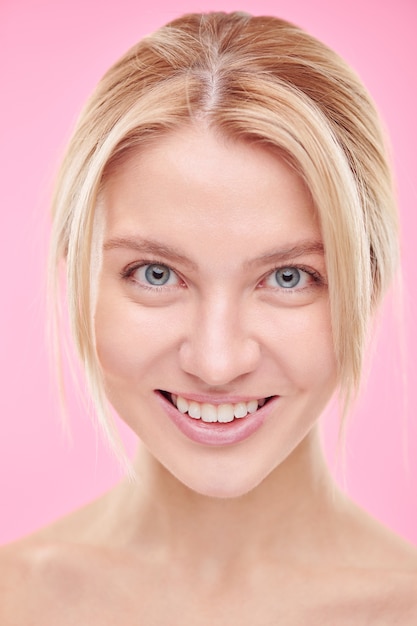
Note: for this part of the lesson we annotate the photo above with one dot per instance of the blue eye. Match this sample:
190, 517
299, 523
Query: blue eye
153, 275
157, 274
289, 278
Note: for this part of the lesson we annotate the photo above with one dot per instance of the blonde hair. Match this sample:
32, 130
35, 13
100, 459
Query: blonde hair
257, 79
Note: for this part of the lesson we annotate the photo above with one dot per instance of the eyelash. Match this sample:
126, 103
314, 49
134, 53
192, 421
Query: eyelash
317, 278
128, 272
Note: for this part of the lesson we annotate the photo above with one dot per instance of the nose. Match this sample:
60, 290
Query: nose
218, 347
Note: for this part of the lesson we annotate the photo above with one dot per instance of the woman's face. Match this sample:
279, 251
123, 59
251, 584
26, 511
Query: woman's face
212, 322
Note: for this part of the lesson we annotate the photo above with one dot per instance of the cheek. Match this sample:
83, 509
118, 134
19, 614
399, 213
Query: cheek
303, 344
130, 338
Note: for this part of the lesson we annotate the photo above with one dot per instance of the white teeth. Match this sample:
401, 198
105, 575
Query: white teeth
194, 410
182, 404
210, 413
225, 413
241, 410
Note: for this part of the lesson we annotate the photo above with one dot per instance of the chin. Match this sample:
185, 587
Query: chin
219, 487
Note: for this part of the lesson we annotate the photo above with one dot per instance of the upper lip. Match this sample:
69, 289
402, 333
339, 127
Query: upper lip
215, 398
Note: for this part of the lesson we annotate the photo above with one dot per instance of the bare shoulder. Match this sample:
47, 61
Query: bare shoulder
395, 585
379, 547
44, 582
381, 571
396, 590
39, 573
12, 576
374, 583
22, 583
378, 597
363, 597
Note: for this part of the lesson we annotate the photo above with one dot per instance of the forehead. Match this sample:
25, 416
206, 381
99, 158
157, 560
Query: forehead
194, 185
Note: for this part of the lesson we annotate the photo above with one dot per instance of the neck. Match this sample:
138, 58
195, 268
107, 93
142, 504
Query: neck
286, 514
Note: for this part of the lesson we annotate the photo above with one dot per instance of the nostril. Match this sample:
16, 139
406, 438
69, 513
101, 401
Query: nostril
218, 363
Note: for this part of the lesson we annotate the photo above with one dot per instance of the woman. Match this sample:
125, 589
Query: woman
226, 219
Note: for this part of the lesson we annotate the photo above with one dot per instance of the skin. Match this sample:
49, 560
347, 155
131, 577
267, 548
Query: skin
254, 532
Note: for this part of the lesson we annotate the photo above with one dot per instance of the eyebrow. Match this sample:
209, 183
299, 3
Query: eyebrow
151, 246
301, 248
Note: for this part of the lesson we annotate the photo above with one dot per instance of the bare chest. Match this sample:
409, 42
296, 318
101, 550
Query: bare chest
287, 599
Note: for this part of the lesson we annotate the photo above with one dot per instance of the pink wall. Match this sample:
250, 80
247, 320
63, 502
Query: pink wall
53, 54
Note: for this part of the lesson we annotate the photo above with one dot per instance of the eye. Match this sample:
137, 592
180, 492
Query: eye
154, 274
288, 278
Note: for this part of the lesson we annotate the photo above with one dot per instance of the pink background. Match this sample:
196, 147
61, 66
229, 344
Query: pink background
53, 53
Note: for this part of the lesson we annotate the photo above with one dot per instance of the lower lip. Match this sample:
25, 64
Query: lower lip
217, 434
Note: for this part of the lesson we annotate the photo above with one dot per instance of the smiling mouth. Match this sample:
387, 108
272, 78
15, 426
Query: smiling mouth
211, 413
